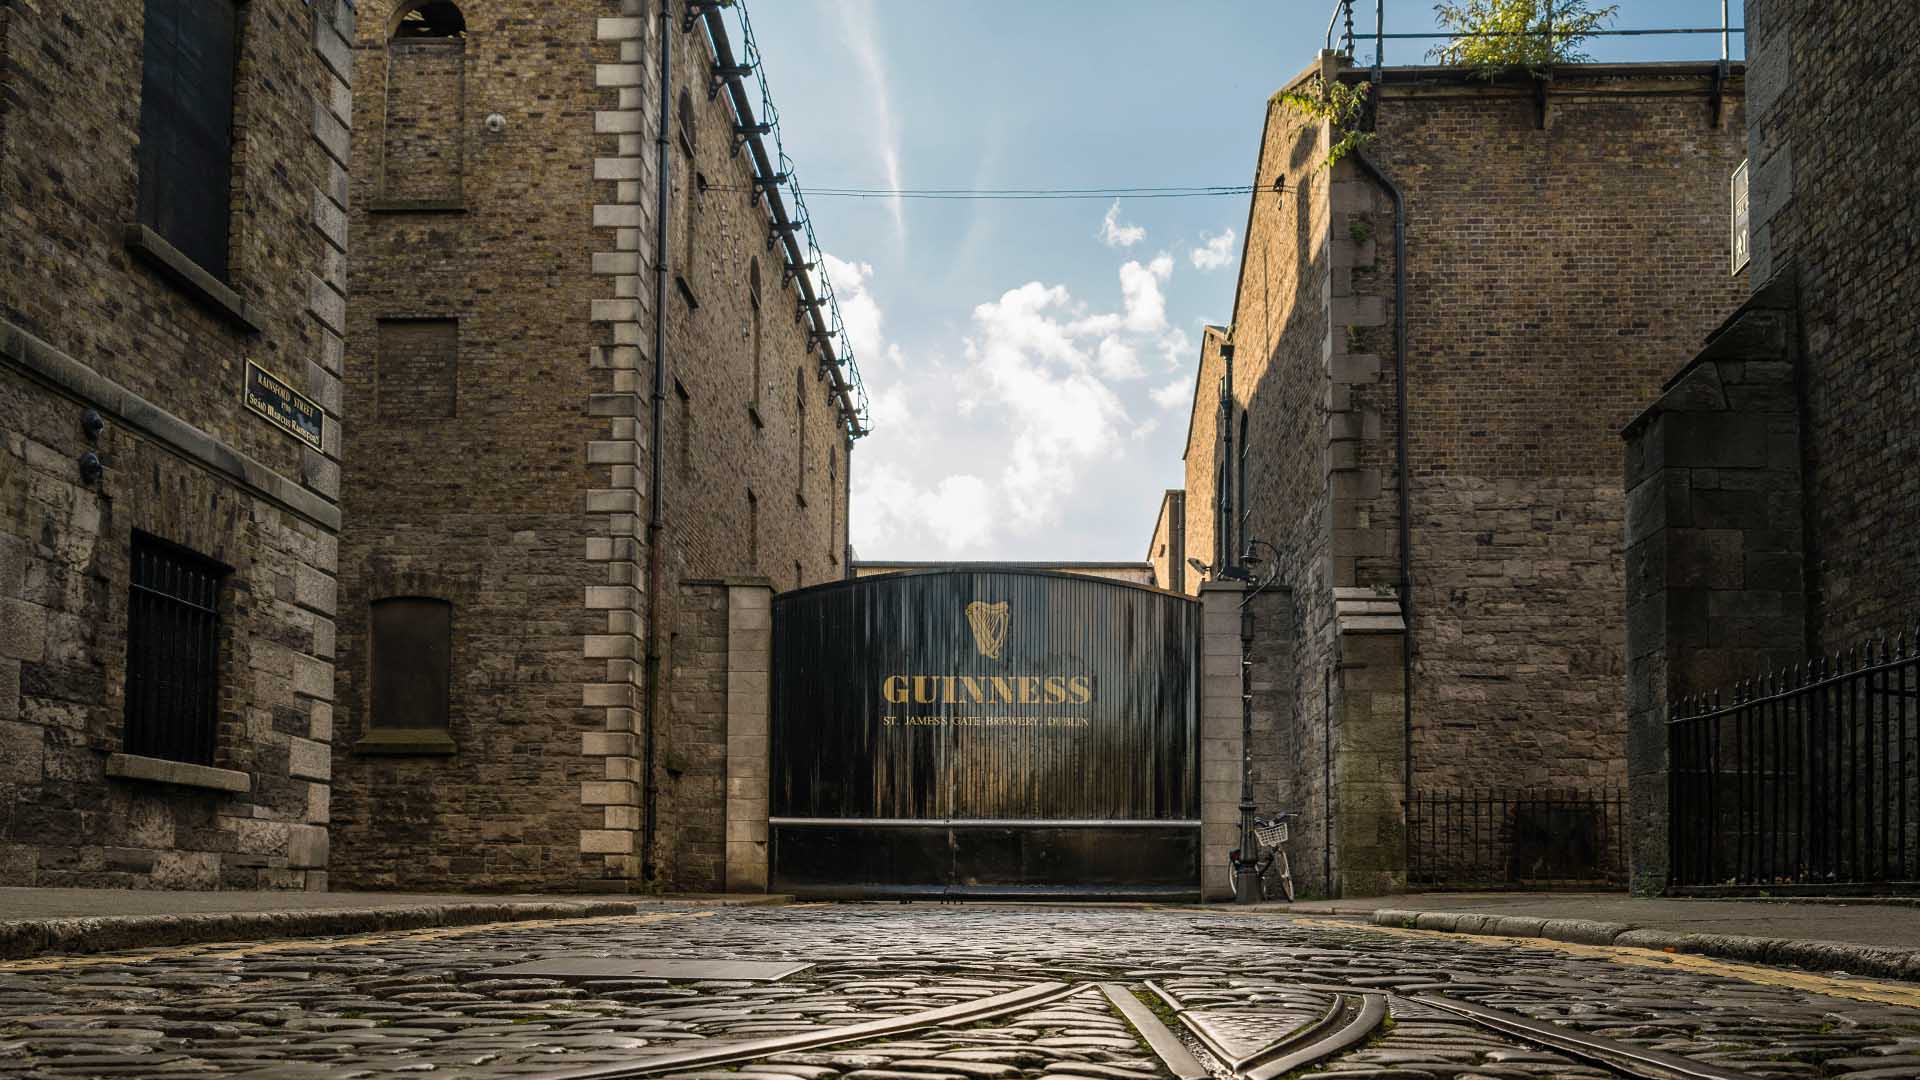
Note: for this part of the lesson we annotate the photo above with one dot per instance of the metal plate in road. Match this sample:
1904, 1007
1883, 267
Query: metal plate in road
619, 967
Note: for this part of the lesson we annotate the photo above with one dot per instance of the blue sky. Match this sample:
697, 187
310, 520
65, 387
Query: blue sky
1031, 363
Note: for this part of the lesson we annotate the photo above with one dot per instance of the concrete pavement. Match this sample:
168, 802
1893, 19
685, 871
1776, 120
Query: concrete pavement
36, 922
1858, 936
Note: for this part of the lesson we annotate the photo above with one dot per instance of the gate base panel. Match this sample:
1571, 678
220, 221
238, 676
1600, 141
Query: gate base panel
1145, 862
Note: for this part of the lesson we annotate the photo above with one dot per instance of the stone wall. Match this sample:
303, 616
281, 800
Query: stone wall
1548, 295
1534, 334
527, 501
97, 317
474, 492
1834, 104
1283, 385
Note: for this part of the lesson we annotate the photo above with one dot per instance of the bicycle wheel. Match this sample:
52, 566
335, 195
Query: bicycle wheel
1286, 875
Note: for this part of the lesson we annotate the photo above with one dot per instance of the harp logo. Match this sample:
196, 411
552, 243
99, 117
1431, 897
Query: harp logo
989, 623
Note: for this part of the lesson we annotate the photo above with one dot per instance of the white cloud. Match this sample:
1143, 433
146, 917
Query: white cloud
1214, 253
1175, 394
1118, 360
1015, 439
1146, 307
1114, 234
951, 515
858, 308
1176, 348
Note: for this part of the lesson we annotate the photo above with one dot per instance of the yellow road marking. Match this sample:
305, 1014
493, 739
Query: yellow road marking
435, 933
1882, 993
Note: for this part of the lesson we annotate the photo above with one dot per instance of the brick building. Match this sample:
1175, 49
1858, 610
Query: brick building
594, 439
174, 183
1772, 497
1562, 241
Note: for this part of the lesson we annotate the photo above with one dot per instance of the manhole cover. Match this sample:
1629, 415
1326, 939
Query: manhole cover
613, 967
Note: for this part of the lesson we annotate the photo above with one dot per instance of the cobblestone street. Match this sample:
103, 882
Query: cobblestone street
1087, 993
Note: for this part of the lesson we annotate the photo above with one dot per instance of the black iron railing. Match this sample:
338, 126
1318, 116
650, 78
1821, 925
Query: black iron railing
1516, 840
1802, 779
1341, 35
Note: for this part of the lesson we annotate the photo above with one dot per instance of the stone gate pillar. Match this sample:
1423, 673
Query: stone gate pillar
749, 662
1221, 722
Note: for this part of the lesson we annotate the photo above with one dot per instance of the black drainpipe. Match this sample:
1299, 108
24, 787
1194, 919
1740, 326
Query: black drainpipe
1400, 458
655, 519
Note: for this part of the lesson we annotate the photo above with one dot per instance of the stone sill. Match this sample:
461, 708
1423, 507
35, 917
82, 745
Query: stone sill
174, 265
177, 773
416, 206
413, 742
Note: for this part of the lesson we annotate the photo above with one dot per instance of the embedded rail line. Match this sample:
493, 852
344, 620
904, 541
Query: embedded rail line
1353, 1016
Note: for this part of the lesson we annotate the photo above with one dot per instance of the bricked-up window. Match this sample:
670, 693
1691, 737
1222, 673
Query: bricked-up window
417, 368
753, 295
686, 429
753, 530
186, 126
687, 196
412, 662
422, 146
800, 456
173, 652
1240, 491
1220, 517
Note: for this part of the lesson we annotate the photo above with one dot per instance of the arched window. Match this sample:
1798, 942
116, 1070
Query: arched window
687, 183
800, 454
412, 662
423, 144
1240, 498
430, 19
753, 532
833, 504
753, 296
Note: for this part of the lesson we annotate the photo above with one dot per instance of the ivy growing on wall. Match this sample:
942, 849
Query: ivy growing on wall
1342, 105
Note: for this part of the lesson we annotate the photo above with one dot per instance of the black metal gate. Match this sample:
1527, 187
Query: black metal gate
984, 733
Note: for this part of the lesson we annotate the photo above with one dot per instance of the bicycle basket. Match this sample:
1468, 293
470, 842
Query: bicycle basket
1271, 835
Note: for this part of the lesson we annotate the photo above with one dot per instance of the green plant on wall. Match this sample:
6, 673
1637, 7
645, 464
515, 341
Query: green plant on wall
1504, 34
1343, 105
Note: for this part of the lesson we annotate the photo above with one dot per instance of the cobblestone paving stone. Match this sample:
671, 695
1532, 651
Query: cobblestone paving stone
428, 1002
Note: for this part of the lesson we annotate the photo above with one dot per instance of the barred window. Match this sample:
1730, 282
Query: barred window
186, 126
173, 652
412, 662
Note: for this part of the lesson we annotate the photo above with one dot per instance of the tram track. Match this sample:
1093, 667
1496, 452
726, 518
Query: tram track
1351, 1018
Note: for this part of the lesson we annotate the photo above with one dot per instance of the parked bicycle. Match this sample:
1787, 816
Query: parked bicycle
1273, 874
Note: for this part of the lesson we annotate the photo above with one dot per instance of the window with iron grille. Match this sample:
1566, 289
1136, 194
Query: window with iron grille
186, 126
173, 652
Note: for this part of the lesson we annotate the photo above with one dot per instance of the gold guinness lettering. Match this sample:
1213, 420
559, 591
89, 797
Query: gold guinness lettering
987, 690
